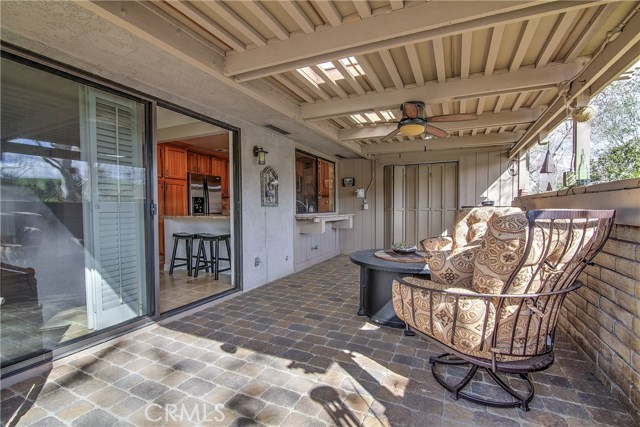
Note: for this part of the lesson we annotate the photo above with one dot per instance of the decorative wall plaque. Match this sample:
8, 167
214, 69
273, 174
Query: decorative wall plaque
269, 186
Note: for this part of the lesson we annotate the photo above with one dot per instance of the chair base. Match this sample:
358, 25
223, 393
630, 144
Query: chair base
518, 399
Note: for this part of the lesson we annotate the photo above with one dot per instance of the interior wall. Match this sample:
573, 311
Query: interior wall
482, 175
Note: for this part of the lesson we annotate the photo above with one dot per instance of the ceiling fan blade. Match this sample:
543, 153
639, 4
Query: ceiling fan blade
435, 131
391, 135
453, 117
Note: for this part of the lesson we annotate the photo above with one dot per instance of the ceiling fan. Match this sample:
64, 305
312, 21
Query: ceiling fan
414, 122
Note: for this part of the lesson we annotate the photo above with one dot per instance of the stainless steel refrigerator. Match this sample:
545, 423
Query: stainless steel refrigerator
204, 195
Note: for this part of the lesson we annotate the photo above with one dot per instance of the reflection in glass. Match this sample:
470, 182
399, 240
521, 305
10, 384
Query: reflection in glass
72, 220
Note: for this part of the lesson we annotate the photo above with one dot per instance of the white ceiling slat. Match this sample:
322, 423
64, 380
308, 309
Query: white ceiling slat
205, 22
329, 11
480, 108
286, 81
418, 23
311, 85
396, 4
370, 73
499, 103
329, 81
414, 61
559, 32
465, 55
522, 96
267, 19
235, 21
349, 78
524, 79
494, 47
523, 43
487, 131
427, 110
507, 118
452, 142
343, 123
438, 52
537, 98
390, 65
362, 6
297, 14
596, 22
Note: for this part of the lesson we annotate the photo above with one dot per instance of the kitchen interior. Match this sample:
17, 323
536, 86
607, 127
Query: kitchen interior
193, 197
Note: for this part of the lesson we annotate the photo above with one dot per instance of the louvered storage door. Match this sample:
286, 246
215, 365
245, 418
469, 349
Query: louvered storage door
118, 195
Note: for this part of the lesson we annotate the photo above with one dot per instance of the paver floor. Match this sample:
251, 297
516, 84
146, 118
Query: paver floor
291, 353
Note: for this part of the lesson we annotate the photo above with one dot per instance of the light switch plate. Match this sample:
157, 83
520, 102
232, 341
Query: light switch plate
360, 193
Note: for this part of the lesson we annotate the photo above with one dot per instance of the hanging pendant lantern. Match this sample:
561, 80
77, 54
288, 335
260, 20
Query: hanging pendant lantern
548, 166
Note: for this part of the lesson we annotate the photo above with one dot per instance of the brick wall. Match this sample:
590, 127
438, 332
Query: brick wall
603, 317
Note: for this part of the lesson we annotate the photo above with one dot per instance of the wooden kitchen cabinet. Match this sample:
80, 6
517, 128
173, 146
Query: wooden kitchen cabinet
174, 162
174, 195
220, 167
198, 163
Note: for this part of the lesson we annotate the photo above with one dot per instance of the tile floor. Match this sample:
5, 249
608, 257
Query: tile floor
178, 289
291, 353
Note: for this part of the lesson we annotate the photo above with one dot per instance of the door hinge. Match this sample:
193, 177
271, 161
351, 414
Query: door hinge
154, 209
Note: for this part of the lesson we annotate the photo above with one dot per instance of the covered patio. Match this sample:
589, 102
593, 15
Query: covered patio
326, 83
292, 353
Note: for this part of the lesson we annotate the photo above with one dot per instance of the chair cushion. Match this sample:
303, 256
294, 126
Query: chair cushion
500, 253
470, 224
453, 268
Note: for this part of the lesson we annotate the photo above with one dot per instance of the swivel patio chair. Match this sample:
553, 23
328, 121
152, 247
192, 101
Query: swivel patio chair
450, 258
504, 322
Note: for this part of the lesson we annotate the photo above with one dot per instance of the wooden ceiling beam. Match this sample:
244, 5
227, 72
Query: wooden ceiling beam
507, 118
595, 24
235, 21
329, 11
200, 18
349, 78
362, 6
438, 52
260, 12
414, 62
392, 69
396, 4
298, 15
562, 27
289, 84
465, 55
523, 43
329, 81
498, 83
370, 73
494, 48
409, 25
451, 143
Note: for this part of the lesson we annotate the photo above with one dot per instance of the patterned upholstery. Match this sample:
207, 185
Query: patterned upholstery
509, 261
451, 259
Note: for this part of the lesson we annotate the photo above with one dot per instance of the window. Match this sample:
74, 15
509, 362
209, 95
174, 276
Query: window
72, 186
315, 177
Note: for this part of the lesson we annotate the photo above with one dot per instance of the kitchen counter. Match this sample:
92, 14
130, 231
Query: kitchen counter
214, 224
317, 223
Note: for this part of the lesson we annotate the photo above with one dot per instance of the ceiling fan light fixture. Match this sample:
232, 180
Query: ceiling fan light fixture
412, 129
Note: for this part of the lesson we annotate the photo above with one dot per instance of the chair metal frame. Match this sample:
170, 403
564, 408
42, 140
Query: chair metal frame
529, 359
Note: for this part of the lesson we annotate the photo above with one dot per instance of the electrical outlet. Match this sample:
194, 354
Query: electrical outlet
257, 261
360, 193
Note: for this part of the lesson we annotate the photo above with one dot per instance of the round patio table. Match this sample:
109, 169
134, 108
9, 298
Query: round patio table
376, 277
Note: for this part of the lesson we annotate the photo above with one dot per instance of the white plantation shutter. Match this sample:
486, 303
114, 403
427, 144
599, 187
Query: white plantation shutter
117, 215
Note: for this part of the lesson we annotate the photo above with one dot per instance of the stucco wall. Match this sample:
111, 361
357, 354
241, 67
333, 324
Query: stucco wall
602, 318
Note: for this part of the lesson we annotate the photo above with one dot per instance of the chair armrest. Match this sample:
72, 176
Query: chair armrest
436, 243
453, 316
452, 268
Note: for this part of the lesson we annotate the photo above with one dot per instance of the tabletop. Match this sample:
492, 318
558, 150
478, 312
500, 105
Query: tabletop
367, 259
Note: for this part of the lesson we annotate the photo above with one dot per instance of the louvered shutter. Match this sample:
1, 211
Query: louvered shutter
117, 184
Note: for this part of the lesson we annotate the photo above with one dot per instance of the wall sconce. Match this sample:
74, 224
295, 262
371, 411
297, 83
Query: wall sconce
261, 154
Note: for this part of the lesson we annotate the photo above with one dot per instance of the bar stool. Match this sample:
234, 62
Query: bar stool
214, 250
188, 242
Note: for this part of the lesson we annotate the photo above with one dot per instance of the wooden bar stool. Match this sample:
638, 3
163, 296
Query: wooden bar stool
188, 241
213, 263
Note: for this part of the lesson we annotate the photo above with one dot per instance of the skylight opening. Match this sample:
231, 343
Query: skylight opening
352, 65
310, 75
373, 117
388, 115
358, 119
